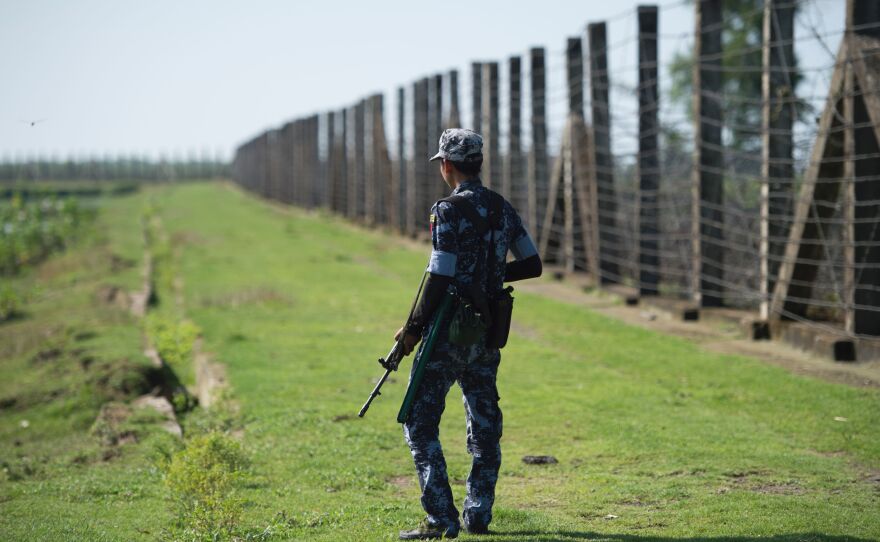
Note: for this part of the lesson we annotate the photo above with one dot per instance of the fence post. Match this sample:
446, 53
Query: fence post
602, 157
477, 96
454, 118
863, 187
342, 164
512, 185
849, 193
707, 219
302, 167
360, 161
239, 165
274, 162
371, 198
351, 166
260, 162
286, 162
296, 175
573, 176
299, 162
491, 158
417, 204
537, 169
649, 171
403, 184
317, 171
289, 161
777, 116
317, 175
435, 128
330, 161
435, 107
255, 169
575, 75
294, 160
381, 162
308, 163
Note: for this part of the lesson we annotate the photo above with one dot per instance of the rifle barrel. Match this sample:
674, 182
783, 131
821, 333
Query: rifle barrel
374, 394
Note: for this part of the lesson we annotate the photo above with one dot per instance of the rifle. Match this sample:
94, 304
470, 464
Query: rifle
395, 355
426, 349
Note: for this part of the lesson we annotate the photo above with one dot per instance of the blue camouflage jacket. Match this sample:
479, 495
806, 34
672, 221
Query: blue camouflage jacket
455, 244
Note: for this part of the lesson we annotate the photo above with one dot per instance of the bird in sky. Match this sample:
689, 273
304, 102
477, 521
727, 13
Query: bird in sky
32, 123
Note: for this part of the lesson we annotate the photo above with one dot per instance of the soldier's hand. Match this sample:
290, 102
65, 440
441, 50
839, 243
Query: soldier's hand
409, 341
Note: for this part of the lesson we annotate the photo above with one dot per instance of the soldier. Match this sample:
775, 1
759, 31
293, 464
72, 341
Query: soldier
454, 261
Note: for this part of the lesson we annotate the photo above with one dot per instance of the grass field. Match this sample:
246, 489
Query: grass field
656, 439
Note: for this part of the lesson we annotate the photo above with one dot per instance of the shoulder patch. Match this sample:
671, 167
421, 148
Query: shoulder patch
432, 219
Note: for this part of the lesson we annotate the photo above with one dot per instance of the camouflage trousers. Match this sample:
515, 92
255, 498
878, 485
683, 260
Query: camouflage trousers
474, 368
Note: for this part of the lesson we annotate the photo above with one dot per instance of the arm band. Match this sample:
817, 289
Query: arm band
523, 269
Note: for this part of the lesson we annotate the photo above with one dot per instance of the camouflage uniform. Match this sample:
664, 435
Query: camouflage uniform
474, 367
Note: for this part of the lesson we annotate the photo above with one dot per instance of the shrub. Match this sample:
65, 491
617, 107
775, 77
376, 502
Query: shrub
30, 231
203, 479
174, 339
10, 303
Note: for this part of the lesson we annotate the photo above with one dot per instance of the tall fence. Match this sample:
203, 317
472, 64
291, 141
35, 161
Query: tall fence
761, 195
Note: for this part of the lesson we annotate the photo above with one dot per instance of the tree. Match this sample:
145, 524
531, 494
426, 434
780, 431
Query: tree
741, 37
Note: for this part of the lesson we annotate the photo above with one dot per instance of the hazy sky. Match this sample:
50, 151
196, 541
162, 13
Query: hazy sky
157, 76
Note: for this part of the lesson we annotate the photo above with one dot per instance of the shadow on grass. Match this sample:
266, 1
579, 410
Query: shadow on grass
14, 316
569, 536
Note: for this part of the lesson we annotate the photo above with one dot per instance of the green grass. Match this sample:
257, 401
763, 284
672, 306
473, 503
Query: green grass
67, 355
677, 443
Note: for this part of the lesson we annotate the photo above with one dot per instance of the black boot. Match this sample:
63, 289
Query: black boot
427, 531
476, 529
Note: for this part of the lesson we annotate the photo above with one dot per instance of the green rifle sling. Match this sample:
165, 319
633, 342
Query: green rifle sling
422, 358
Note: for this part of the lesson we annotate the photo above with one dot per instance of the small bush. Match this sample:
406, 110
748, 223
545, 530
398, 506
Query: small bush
30, 231
10, 303
203, 479
174, 339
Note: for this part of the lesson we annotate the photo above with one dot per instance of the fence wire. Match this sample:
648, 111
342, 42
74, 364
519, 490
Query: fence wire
807, 219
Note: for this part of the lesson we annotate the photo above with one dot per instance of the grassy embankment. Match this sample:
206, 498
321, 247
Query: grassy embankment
74, 347
665, 441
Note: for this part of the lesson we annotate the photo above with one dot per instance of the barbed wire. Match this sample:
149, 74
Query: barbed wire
665, 250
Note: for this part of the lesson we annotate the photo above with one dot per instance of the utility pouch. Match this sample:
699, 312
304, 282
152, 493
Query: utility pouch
502, 310
467, 325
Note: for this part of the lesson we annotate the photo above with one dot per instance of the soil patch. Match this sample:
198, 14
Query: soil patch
539, 460
118, 263
45, 355
246, 297
710, 335
779, 488
114, 296
402, 481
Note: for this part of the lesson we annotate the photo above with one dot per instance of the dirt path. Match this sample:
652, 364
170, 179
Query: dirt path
712, 336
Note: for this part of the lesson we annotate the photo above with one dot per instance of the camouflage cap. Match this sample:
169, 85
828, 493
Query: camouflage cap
460, 145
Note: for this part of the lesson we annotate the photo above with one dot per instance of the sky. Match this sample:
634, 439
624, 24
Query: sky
172, 78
